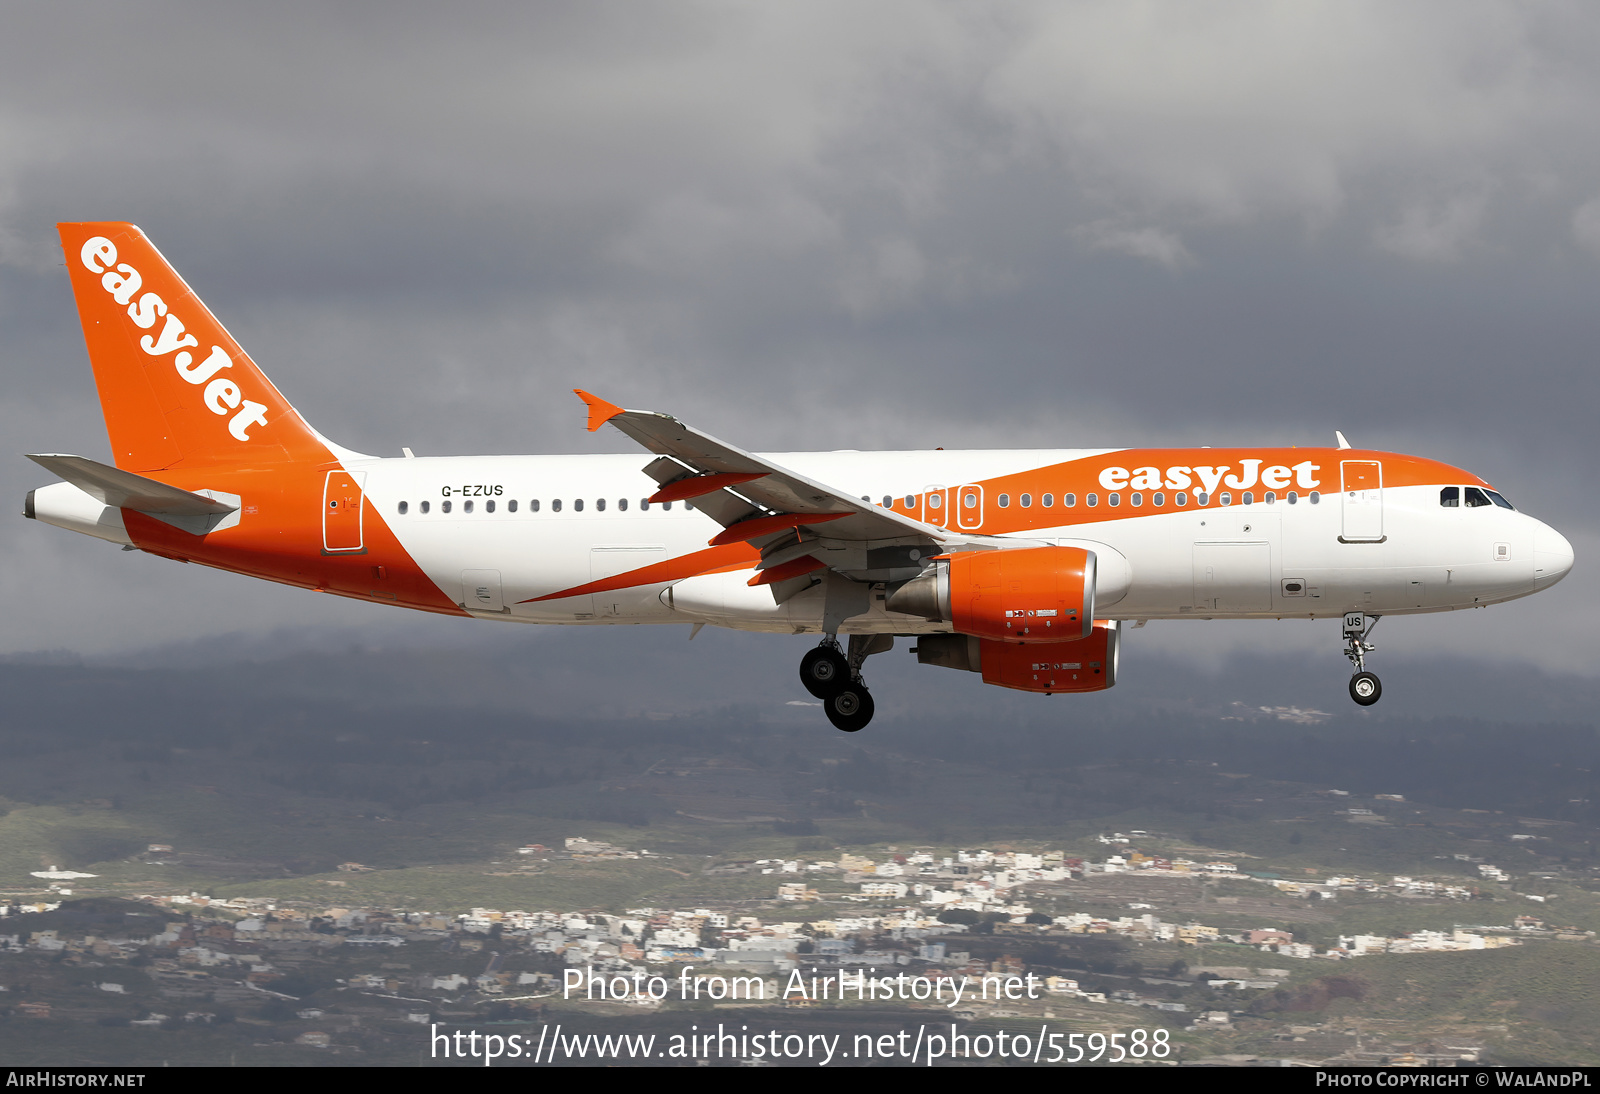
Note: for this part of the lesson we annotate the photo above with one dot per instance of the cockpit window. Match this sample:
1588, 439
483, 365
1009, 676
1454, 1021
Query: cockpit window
1500, 501
1450, 497
1476, 498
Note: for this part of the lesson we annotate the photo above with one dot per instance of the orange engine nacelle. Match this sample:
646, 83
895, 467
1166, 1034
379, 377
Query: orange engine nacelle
1089, 664
1031, 594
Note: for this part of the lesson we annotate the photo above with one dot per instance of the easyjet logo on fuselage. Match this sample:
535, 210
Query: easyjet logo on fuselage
222, 396
1275, 477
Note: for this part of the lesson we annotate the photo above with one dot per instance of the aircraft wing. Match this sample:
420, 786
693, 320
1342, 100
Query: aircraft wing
777, 510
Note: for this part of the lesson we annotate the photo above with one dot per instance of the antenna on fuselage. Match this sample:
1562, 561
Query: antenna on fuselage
1339, 436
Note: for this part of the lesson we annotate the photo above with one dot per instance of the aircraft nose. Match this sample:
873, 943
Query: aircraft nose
1552, 556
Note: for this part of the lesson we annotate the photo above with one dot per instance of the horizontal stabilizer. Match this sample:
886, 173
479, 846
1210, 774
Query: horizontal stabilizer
199, 514
125, 490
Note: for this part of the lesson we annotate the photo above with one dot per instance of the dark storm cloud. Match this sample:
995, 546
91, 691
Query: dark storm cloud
818, 225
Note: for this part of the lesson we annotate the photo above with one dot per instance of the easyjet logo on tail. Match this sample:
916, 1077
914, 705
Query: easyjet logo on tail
222, 396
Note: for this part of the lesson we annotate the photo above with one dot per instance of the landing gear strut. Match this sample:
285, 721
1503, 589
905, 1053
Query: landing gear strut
1365, 687
836, 679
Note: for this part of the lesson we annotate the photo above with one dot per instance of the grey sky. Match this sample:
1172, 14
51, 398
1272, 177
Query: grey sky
826, 225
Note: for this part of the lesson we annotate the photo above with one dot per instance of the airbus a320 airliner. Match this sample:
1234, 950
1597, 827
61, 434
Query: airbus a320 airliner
1018, 565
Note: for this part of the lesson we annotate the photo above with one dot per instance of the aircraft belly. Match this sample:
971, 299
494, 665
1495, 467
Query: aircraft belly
728, 600
1261, 562
531, 559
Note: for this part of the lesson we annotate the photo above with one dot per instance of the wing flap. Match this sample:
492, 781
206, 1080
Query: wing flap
760, 527
693, 486
795, 567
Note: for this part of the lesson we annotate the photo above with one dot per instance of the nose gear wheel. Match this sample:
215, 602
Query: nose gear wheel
1365, 687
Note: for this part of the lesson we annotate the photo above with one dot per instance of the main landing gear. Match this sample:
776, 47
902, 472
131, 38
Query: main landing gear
835, 678
824, 669
1365, 687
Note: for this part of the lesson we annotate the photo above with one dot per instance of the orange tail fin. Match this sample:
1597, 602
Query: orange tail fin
176, 389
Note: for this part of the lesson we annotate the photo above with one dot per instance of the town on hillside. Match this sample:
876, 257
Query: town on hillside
189, 960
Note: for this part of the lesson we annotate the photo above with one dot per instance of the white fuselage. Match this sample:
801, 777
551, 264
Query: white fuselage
1240, 561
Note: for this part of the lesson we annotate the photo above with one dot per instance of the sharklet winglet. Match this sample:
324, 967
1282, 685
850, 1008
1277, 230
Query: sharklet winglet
600, 411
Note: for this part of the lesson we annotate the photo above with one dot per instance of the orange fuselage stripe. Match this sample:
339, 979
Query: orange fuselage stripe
712, 560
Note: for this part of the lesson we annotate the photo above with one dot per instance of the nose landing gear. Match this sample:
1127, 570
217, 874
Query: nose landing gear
1365, 687
836, 679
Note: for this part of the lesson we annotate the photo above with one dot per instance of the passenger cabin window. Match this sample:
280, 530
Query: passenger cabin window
1225, 498
1450, 497
1069, 500
1294, 498
533, 506
600, 505
467, 508
555, 506
424, 507
1180, 499
577, 505
1249, 497
1005, 501
1158, 499
1136, 499
488, 506
444, 507
888, 502
1314, 497
622, 504
644, 505
911, 501
1272, 496
1113, 499
511, 506
1476, 499
1202, 498
1091, 500
666, 505
1048, 500
405, 505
